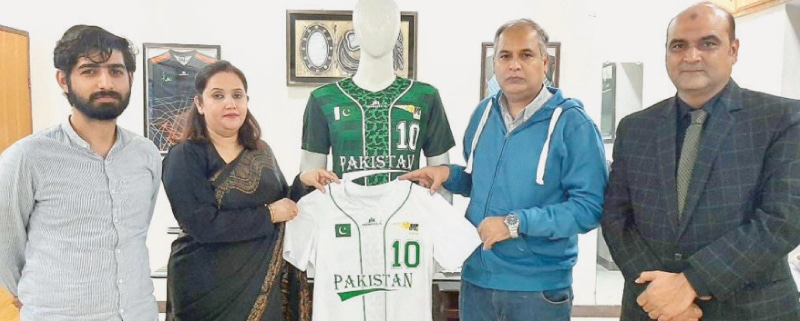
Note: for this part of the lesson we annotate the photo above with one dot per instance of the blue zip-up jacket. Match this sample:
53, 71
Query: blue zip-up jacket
551, 172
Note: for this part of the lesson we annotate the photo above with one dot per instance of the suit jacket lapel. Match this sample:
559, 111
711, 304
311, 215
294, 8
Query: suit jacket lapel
665, 151
714, 135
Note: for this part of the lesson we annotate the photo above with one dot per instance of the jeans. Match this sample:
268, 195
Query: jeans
480, 304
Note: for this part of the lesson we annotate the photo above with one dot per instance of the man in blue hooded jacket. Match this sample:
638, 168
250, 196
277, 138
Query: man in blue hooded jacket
535, 175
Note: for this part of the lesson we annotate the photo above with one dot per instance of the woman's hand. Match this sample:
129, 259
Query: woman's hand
282, 210
318, 178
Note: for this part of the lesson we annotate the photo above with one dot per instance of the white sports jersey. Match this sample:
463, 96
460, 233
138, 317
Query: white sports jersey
375, 249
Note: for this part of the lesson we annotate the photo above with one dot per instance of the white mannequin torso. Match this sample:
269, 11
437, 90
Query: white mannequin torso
376, 24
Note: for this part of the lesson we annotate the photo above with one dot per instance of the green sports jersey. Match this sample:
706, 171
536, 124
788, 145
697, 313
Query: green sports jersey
367, 130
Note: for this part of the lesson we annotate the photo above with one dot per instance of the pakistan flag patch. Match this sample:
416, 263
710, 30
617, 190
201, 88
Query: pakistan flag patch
342, 230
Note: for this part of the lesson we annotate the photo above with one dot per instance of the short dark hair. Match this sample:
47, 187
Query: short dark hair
525, 22
93, 42
716, 7
196, 131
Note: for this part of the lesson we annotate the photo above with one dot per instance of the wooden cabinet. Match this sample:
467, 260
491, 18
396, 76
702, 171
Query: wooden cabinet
15, 89
743, 7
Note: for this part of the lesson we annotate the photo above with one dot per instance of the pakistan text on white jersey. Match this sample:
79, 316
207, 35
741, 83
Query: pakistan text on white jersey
375, 249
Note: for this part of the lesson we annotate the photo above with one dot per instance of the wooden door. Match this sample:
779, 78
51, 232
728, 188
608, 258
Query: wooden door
15, 89
8, 311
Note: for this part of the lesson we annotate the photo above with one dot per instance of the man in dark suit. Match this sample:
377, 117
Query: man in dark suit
703, 202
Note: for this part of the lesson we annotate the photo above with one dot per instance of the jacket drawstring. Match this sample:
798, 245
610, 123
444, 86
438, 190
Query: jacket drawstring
546, 147
542, 156
478, 133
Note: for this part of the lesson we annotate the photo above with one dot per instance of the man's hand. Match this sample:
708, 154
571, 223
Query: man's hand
493, 230
693, 313
429, 177
318, 178
667, 296
17, 303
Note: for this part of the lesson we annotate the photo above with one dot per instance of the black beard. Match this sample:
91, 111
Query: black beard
102, 111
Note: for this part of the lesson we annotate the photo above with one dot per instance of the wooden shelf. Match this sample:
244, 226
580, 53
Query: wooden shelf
744, 7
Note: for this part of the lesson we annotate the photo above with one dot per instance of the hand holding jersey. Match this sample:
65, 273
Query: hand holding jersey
491, 229
318, 178
431, 177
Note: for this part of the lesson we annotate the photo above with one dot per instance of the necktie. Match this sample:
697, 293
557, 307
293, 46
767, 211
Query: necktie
691, 143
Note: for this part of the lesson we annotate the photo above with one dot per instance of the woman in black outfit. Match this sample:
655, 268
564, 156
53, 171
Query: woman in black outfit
229, 197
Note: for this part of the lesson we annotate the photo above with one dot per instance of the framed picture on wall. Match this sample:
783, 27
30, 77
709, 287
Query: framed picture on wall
169, 71
321, 47
608, 104
489, 85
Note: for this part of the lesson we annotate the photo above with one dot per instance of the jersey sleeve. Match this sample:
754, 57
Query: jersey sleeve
316, 134
300, 239
438, 137
454, 237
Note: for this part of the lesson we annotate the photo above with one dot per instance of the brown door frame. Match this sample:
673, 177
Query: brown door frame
28, 49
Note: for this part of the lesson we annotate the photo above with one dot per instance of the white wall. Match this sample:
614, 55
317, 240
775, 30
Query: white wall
449, 38
765, 48
769, 54
791, 53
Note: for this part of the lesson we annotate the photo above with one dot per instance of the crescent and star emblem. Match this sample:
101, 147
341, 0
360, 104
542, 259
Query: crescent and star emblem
342, 230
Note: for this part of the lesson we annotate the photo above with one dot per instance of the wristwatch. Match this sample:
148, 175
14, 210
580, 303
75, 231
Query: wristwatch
512, 222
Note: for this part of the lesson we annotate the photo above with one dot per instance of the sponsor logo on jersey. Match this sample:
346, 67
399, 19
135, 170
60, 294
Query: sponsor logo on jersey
166, 78
372, 222
342, 230
183, 59
360, 163
408, 226
414, 110
375, 104
349, 286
